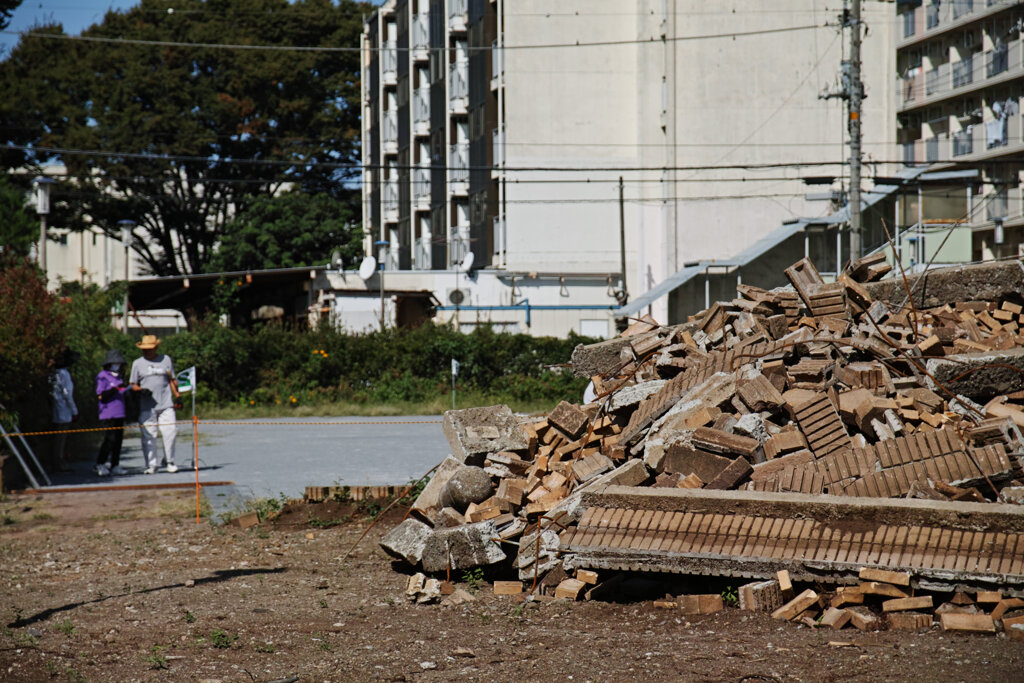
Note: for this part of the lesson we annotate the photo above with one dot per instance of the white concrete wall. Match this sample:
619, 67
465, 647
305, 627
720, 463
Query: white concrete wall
738, 101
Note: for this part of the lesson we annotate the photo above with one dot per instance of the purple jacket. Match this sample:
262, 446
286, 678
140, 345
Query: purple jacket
112, 404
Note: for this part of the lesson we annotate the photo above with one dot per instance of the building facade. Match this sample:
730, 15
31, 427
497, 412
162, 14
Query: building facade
959, 86
592, 147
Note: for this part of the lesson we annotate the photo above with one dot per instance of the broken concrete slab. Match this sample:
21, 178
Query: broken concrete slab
407, 541
568, 419
429, 500
475, 432
471, 545
630, 396
466, 485
940, 286
984, 381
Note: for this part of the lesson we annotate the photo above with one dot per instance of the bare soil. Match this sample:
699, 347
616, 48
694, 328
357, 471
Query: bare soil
125, 586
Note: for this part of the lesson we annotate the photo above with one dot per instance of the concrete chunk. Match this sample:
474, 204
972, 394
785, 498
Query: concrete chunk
631, 396
429, 500
466, 485
407, 541
475, 432
569, 419
472, 545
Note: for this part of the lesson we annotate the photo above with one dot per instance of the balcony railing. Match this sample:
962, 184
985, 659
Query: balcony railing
997, 204
421, 110
458, 162
498, 146
932, 147
963, 72
389, 132
421, 37
457, 90
963, 142
457, 14
422, 256
997, 61
962, 8
390, 201
937, 79
497, 63
421, 187
389, 64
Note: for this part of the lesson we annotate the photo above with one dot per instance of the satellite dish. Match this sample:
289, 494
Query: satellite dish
367, 267
336, 259
467, 261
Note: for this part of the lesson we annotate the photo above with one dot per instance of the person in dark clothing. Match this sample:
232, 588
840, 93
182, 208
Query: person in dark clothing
110, 388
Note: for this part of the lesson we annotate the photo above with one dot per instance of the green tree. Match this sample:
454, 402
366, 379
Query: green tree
201, 131
290, 230
7, 8
18, 226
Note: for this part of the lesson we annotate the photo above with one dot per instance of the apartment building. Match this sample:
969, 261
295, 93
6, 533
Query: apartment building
959, 86
504, 129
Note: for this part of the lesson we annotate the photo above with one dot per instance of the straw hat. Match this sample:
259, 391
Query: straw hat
149, 341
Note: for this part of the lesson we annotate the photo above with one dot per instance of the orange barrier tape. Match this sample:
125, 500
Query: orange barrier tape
228, 422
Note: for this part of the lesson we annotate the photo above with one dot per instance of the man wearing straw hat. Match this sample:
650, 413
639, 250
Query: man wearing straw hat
153, 376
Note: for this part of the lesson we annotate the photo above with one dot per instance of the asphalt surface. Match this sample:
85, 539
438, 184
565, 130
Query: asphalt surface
282, 456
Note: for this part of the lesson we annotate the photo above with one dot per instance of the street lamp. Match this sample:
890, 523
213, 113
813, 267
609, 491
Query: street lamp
381, 246
43, 185
126, 238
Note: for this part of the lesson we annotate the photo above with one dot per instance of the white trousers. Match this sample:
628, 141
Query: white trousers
162, 421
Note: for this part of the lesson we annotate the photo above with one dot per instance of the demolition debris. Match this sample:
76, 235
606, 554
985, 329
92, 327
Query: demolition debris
861, 438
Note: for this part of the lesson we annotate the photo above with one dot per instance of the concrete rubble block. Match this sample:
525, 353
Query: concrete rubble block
631, 396
466, 485
686, 460
752, 425
569, 419
1012, 494
537, 557
471, 545
473, 433
984, 383
718, 441
597, 359
407, 541
449, 517
732, 476
979, 282
429, 500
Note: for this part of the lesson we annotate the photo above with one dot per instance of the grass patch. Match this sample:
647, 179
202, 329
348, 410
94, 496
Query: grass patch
222, 639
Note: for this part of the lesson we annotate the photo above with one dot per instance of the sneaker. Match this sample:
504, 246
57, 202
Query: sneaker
102, 470
172, 468
117, 470
149, 470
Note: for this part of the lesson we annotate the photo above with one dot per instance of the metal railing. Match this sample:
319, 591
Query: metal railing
390, 201
963, 142
962, 8
389, 63
421, 107
457, 87
421, 186
963, 72
498, 146
932, 147
997, 204
497, 61
421, 36
997, 60
422, 256
457, 14
389, 131
458, 162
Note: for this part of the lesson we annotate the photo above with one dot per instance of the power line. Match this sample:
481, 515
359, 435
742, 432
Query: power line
310, 48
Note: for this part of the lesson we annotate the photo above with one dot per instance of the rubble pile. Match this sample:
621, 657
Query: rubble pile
861, 388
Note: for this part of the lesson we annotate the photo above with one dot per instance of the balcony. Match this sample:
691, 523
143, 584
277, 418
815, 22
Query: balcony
961, 8
458, 92
963, 141
389, 64
421, 110
421, 256
977, 71
458, 167
997, 204
421, 189
389, 132
421, 37
458, 16
390, 203
498, 147
963, 72
932, 147
497, 66
997, 61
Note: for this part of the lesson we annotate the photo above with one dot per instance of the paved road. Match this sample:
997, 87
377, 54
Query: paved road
267, 458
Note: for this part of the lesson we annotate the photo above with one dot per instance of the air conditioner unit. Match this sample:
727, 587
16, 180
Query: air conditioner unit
456, 296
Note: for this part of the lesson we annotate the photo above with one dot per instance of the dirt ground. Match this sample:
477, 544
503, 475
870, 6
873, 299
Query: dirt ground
125, 586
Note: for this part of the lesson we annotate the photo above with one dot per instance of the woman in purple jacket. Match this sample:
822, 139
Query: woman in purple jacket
110, 388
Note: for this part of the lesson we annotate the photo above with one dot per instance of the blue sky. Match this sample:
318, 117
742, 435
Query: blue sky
74, 14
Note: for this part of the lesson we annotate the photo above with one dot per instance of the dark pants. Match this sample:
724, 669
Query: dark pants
111, 445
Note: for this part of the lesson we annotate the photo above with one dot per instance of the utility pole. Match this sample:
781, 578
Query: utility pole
856, 92
852, 91
623, 294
